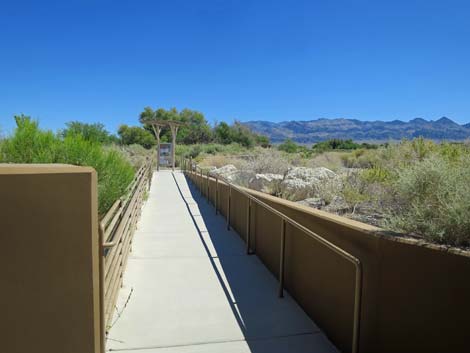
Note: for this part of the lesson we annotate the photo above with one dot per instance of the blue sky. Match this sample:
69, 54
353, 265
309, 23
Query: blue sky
248, 60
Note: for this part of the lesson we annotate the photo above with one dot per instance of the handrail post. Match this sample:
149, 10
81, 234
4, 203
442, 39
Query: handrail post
357, 307
228, 205
216, 193
248, 226
284, 220
208, 191
201, 183
149, 177
282, 258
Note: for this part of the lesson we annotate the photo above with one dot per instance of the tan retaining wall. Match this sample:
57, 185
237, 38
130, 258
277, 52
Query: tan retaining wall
415, 297
49, 263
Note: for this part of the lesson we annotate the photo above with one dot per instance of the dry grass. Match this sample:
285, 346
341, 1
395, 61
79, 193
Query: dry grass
330, 160
259, 160
219, 160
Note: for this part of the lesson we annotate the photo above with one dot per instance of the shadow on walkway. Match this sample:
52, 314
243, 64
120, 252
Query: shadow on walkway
268, 323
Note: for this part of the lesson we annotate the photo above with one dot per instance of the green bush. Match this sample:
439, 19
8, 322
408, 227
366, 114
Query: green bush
288, 146
29, 144
434, 200
361, 158
339, 144
131, 135
376, 174
91, 132
237, 133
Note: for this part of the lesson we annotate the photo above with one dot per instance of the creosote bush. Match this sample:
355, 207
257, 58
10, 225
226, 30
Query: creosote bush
30, 144
433, 198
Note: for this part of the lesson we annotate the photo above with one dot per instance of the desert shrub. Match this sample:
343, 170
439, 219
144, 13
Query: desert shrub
376, 174
200, 151
30, 144
433, 198
263, 141
355, 189
259, 160
267, 161
135, 154
195, 151
329, 188
219, 160
331, 160
288, 146
361, 158
394, 156
453, 152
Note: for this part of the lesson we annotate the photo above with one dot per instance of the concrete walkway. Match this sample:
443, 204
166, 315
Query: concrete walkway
189, 287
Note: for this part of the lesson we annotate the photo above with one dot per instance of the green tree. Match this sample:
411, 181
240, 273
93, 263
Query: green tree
242, 135
223, 133
90, 132
130, 135
238, 133
196, 128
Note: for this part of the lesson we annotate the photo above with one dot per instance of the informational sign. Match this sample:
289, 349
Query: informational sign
165, 154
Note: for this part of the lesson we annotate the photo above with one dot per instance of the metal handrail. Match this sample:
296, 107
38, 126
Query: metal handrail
284, 220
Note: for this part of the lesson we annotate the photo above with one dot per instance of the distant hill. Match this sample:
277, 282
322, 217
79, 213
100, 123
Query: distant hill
366, 131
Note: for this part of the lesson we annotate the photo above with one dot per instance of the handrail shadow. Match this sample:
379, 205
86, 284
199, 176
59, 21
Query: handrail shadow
268, 323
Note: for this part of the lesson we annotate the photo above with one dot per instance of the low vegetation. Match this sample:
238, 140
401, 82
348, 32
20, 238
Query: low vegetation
338, 144
416, 187
116, 157
200, 152
30, 144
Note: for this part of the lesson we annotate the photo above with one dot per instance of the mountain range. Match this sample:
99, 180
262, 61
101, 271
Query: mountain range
313, 131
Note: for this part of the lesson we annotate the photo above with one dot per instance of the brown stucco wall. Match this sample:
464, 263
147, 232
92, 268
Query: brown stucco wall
49, 263
415, 296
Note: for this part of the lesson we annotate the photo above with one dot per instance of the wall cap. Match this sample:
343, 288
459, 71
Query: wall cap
362, 227
11, 168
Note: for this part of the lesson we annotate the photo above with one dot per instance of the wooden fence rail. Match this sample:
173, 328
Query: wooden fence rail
116, 232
